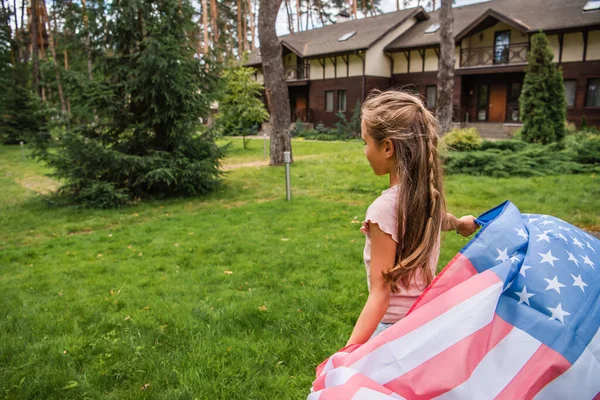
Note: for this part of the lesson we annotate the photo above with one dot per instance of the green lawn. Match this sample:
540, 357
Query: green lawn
238, 294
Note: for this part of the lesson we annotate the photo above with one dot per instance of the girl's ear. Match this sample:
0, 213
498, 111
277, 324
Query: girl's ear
388, 148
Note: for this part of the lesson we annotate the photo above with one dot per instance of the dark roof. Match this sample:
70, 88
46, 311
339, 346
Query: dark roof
322, 41
528, 15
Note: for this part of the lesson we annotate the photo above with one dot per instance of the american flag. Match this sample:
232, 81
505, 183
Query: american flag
515, 315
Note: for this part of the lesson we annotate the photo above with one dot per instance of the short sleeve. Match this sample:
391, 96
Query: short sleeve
383, 213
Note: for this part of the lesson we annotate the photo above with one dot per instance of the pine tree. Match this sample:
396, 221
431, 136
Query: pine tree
542, 101
149, 93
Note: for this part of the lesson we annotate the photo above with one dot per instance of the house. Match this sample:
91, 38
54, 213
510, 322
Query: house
330, 69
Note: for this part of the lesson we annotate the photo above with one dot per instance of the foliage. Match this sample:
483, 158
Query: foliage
137, 137
350, 129
240, 109
512, 145
531, 160
462, 139
584, 145
542, 102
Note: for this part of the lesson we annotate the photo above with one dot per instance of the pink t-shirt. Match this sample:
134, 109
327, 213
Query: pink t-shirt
383, 212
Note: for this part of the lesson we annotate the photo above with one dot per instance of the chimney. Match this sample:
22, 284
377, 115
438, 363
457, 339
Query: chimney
342, 16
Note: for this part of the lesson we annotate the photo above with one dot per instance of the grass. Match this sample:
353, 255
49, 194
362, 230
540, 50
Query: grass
238, 294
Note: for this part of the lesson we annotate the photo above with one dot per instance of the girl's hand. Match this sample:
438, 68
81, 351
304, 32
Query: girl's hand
466, 225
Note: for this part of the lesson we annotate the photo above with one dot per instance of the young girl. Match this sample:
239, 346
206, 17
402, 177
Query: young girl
403, 225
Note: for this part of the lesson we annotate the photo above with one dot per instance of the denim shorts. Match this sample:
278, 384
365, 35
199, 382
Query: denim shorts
380, 328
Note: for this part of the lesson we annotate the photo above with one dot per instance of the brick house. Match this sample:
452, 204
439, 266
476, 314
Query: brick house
330, 69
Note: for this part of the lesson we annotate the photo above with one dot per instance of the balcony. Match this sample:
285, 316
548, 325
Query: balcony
297, 73
494, 55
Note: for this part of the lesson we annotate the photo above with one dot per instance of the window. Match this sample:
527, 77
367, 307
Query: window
515, 92
346, 36
329, 101
432, 28
431, 92
570, 86
592, 5
341, 100
501, 46
592, 99
482, 102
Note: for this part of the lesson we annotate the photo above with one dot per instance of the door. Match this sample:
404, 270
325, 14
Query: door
497, 108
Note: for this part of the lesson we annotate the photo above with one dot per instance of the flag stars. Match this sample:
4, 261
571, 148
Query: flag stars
514, 259
590, 247
523, 269
554, 284
546, 222
521, 232
578, 282
558, 313
548, 257
524, 296
572, 258
560, 235
544, 236
586, 260
502, 255
577, 242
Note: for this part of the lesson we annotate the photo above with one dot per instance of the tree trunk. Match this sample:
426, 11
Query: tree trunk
354, 9
46, 22
275, 87
88, 43
298, 14
252, 25
215, 30
205, 25
289, 15
397, 5
445, 84
245, 32
34, 48
239, 27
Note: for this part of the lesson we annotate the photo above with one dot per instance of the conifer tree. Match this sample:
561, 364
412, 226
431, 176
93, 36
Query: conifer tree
542, 101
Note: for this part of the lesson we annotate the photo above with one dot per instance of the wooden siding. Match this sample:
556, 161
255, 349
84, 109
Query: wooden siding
582, 72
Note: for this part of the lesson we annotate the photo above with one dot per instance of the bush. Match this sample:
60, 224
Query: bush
510, 145
462, 139
349, 129
587, 150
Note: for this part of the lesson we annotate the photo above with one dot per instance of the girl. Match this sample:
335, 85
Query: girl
402, 226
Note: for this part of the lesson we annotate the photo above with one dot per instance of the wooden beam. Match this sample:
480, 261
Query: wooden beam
322, 65
437, 52
347, 61
407, 56
585, 42
560, 46
334, 62
422, 54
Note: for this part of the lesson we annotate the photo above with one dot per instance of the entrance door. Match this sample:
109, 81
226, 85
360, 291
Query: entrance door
497, 108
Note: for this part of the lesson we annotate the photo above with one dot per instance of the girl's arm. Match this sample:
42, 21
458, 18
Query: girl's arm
383, 255
466, 225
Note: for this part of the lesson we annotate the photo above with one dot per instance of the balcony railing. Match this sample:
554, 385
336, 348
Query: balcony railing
297, 73
494, 55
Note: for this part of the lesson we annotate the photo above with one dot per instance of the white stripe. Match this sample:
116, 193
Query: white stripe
582, 380
399, 356
369, 394
329, 365
338, 376
314, 395
498, 368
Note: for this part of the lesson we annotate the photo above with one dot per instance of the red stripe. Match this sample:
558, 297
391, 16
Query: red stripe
542, 368
458, 270
351, 387
597, 397
444, 302
452, 366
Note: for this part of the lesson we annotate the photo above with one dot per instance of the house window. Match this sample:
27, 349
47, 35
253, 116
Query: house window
501, 46
329, 101
341, 100
482, 102
431, 96
570, 86
515, 92
592, 99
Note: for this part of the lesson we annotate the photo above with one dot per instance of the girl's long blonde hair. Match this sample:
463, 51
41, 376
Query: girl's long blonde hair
413, 130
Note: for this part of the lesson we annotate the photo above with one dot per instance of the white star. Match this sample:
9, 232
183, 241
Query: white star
558, 313
523, 269
554, 284
572, 258
590, 247
578, 282
560, 228
502, 255
548, 258
533, 219
514, 259
509, 284
560, 235
524, 296
546, 222
544, 216
587, 261
521, 232
577, 242
544, 236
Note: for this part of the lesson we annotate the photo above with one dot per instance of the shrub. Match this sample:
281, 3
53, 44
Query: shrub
462, 139
350, 129
510, 145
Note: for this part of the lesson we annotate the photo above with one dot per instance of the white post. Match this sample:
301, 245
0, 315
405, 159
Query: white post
22, 151
287, 159
264, 146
